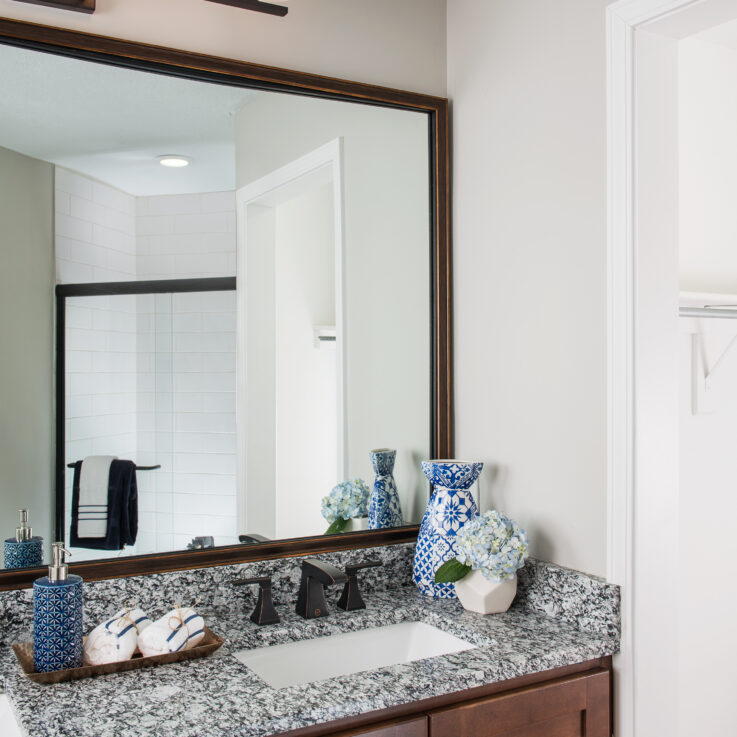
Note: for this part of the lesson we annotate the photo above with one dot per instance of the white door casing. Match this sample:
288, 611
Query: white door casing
627, 559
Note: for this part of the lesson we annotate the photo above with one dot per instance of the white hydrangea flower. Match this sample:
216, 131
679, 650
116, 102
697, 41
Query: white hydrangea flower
493, 544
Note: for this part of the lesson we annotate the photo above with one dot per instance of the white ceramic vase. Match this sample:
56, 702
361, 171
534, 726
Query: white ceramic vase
479, 594
357, 524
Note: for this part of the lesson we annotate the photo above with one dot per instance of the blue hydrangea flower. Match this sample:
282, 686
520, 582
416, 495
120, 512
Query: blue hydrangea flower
346, 501
493, 544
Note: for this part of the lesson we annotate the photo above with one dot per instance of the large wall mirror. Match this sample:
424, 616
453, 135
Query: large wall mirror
249, 274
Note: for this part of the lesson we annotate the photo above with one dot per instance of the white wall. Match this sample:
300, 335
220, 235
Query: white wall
527, 83
708, 162
306, 388
203, 416
27, 354
185, 236
383, 42
683, 652
94, 230
707, 113
707, 638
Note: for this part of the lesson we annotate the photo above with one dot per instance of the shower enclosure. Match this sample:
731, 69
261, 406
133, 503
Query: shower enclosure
146, 372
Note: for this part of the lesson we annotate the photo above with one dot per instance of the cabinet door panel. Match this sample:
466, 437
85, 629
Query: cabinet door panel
572, 707
415, 727
565, 725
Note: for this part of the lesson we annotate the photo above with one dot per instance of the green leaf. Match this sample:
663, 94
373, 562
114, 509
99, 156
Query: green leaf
338, 526
451, 571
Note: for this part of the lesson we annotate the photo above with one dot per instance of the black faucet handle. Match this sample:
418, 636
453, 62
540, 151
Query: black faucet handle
351, 598
264, 613
352, 568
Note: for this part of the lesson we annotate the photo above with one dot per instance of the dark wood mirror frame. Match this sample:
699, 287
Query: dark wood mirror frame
179, 63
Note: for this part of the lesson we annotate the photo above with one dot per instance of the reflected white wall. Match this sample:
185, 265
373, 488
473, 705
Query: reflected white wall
386, 265
306, 369
26, 324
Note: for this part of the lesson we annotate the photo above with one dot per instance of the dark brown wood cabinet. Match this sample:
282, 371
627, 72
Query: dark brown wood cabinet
566, 702
569, 707
415, 727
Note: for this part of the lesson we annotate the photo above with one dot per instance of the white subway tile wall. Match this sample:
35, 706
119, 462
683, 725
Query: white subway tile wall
101, 368
152, 377
95, 230
180, 236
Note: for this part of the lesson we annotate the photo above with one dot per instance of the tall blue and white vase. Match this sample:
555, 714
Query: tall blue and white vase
384, 507
450, 507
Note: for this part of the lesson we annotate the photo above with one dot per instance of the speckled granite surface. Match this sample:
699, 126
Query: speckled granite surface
560, 617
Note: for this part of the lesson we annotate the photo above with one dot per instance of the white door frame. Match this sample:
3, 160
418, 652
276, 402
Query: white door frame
623, 18
328, 155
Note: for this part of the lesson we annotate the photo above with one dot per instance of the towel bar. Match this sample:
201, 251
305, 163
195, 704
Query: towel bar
138, 468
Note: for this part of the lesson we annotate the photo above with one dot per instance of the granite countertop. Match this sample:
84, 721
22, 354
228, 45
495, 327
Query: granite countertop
220, 697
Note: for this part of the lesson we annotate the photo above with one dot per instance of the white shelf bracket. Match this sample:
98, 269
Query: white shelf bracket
703, 377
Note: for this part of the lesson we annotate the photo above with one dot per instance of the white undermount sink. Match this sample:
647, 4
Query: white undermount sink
305, 661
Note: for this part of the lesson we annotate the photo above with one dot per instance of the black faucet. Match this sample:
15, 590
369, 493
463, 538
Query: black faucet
264, 613
351, 598
315, 576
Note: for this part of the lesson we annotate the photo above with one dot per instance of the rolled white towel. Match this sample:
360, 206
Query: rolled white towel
180, 629
116, 639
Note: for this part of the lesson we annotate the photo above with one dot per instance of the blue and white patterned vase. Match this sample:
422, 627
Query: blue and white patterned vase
23, 554
450, 507
57, 624
384, 507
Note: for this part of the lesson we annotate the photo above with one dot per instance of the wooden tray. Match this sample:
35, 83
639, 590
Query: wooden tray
24, 652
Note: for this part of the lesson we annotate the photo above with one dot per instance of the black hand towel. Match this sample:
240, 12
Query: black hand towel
122, 520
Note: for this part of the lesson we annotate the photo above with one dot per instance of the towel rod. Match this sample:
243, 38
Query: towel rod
727, 312
138, 468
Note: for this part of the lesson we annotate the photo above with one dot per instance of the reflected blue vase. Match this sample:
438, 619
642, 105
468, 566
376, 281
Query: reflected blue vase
384, 508
450, 507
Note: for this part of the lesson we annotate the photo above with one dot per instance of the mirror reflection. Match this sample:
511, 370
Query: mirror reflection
244, 307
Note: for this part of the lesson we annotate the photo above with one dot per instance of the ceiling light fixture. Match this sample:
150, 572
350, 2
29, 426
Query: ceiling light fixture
257, 5
174, 161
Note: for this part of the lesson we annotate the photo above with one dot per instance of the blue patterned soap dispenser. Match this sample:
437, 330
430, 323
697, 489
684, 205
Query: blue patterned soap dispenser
24, 550
57, 616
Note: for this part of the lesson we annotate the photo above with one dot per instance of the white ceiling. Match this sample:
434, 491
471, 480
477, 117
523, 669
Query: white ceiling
112, 123
709, 20
723, 35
